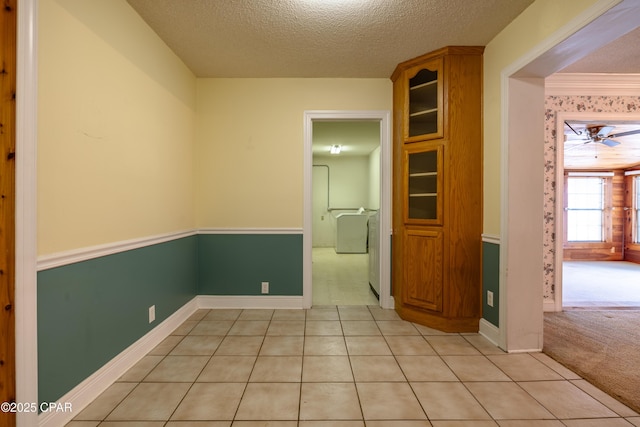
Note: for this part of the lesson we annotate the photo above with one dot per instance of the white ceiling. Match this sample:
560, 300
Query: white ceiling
318, 38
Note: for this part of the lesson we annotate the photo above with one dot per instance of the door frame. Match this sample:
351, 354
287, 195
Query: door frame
384, 118
561, 117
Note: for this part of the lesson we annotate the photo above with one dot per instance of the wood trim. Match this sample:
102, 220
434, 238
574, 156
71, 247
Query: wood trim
8, 81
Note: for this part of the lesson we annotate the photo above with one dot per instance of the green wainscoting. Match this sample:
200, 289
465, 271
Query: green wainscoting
236, 264
491, 281
90, 311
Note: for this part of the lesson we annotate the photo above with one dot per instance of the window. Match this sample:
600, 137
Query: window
585, 209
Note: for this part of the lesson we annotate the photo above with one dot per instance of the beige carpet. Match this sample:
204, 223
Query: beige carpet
601, 346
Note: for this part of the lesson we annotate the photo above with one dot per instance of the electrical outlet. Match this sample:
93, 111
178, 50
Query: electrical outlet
490, 298
152, 313
613, 249
265, 287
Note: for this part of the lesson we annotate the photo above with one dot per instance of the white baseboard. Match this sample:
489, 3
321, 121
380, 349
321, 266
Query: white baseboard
490, 331
249, 301
89, 389
549, 306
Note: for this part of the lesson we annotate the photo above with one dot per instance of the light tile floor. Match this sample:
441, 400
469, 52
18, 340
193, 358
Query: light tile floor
343, 366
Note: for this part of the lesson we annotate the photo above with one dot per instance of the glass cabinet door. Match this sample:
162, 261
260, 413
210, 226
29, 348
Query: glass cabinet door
424, 185
425, 102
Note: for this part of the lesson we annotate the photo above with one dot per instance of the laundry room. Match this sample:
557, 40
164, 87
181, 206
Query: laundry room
346, 202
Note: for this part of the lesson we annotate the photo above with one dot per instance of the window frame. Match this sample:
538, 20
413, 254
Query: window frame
607, 229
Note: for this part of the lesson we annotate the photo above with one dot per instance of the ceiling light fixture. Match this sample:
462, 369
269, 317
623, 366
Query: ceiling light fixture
335, 149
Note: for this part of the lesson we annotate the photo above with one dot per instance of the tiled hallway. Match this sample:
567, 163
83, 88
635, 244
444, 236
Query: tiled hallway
342, 366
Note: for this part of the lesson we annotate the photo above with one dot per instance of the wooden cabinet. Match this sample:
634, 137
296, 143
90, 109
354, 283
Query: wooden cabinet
437, 186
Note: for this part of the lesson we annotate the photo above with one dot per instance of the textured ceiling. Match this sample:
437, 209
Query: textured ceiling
620, 56
318, 38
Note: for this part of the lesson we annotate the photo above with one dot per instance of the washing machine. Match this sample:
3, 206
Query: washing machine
351, 233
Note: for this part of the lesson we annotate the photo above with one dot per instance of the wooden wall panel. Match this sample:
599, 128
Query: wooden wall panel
8, 52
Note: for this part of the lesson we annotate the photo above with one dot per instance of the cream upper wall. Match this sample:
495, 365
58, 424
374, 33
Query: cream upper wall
250, 144
533, 26
116, 125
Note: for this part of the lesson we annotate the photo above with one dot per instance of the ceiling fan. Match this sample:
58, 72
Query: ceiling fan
600, 134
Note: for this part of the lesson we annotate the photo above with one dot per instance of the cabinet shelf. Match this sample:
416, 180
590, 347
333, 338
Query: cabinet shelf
424, 195
423, 112
411, 175
422, 85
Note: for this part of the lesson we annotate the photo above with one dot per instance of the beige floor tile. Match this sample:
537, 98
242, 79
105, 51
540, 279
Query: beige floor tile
530, 423
212, 327
397, 327
270, 401
398, 423
474, 368
360, 327
249, 327
256, 314
327, 346
282, 346
166, 345
605, 399
409, 345
239, 346
197, 424
523, 367
271, 369
465, 423
141, 369
597, 422
483, 345
278, 423
223, 314
354, 312
132, 424
104, 404
564, 400
323, 313
185, 328
425, 368
389, 401
380, 313
84, 424
323, 327
560, 369
427, 331
329, 401
177, 369
197, 345
506, 400
210, 401
150, 402
634, 421
448, 401
227, 369
452, 345
376, 368
373, 346
332, 423
286, 327
290, 314
326, 369
199, 314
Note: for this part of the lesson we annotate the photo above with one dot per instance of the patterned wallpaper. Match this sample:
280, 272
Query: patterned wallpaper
553, 105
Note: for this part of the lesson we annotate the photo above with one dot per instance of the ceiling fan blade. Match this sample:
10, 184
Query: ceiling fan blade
631, 132
605, 131
609, 142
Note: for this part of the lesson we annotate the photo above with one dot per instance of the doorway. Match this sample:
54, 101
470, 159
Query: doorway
354, 188
595, 273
